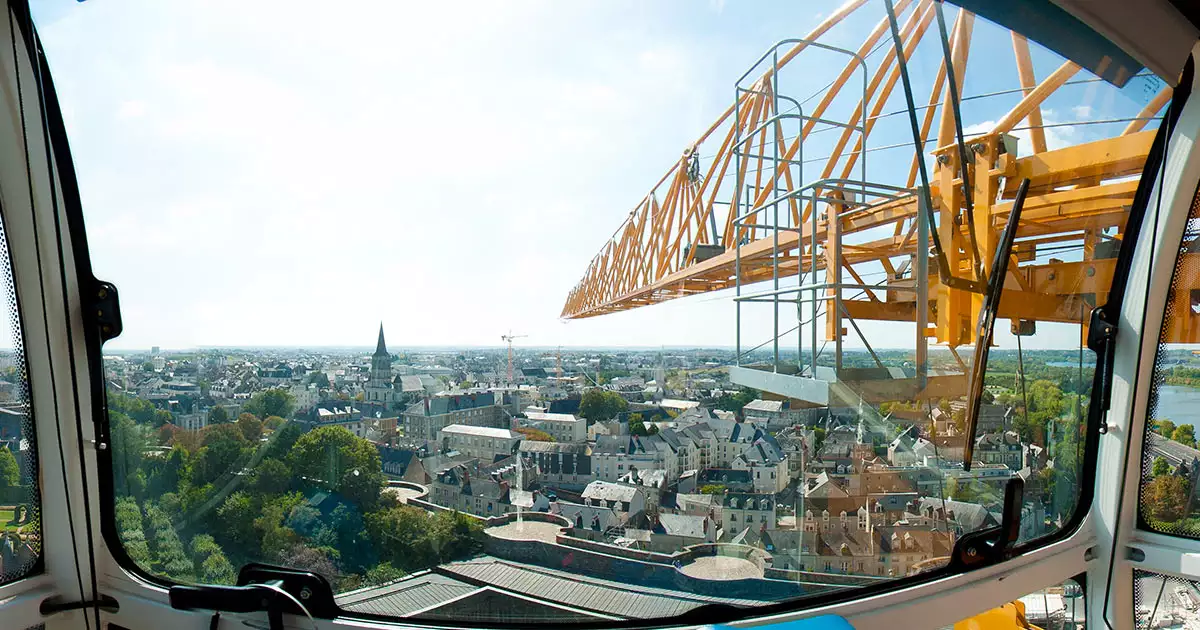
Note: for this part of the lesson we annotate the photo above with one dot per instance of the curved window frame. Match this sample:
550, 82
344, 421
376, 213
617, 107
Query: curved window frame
1062, 541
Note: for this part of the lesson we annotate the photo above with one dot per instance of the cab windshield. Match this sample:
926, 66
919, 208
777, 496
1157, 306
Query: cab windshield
522, 312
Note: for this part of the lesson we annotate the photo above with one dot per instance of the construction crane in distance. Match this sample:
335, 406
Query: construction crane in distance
509, 339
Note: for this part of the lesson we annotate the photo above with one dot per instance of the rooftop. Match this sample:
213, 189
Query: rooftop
606, 491
550, 417
463, 429
772, 406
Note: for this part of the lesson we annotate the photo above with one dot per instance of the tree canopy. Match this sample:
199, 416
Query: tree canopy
599, 405
271, 402
1165, 498
336, 459
1184, 434
218, 499
218, 415
10, 473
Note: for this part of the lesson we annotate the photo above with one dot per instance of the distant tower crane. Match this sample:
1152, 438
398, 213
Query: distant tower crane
509, 338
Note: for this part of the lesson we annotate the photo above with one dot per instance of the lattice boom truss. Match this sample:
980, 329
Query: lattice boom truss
686, 237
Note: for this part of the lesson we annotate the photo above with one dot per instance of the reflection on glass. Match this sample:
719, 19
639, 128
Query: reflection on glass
1058, 607
1165, 601
1170, 461
809, 440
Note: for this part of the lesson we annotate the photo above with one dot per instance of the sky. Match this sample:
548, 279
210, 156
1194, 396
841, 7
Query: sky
282, 173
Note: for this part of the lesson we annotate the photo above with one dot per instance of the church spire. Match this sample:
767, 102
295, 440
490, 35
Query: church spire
380, 347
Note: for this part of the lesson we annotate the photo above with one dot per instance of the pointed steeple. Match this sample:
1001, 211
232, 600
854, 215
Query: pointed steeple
380, 347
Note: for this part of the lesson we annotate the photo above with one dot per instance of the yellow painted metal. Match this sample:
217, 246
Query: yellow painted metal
1010, 616
667, 249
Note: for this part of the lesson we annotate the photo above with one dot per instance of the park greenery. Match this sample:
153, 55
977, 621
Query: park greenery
600, 405
193, 506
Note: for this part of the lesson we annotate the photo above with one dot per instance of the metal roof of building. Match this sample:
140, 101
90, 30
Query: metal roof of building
464, 429
405, 597
550, 417
771, 406
625, 600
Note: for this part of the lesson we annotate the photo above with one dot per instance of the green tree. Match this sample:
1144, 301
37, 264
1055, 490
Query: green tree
652, 429
713, 488
401, 533
218, 415
1165, 498
235, 519
1184, 434
382, 573
737, 400
10, 473
210, 562
176, 467
271, 476
456, 535
250, 426
272, 402
216, 569
1165, 428
282, 440
272, 423
128, 447
599, 405
276, 537
637, 427
818, 439
1161, 467
334, 458
224, 451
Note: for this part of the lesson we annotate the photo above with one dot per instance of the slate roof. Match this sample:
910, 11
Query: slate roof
684, 525
748, 501
380, 346
603, 490
969, 516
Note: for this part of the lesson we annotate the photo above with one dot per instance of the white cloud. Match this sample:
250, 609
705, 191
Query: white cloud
1056, 137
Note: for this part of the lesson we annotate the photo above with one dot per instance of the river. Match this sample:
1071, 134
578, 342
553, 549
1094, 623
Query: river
1179, 404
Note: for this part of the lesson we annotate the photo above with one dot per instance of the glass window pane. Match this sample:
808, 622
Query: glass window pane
808, 437
20, 495
1058, 607
1165, 601
1170, 461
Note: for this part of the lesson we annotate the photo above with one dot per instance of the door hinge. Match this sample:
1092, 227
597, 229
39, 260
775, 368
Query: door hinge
55, 604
